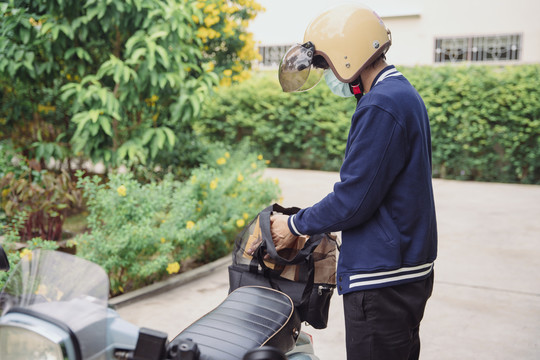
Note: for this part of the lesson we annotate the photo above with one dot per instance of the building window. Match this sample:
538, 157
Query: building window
478, 48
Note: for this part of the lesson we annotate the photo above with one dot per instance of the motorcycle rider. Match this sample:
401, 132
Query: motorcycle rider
384, 202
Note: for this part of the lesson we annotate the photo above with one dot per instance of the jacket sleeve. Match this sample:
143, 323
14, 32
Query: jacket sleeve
376, 153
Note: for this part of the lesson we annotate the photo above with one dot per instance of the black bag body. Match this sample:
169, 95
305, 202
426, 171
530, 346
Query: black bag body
306, 273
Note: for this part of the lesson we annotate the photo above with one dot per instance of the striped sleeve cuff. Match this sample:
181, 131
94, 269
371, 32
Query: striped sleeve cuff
292, 226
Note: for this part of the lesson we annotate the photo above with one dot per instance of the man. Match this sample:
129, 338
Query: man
384, 202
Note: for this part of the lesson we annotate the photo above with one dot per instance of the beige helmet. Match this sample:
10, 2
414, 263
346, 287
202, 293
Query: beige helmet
349, 37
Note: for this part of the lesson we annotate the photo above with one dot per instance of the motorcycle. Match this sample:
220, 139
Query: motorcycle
55, 306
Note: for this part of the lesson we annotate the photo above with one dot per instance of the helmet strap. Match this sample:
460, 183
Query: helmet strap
357, 88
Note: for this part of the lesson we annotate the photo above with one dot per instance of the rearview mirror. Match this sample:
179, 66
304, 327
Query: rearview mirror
4, 263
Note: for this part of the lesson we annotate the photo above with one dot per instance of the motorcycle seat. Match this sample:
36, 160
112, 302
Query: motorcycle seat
250, 317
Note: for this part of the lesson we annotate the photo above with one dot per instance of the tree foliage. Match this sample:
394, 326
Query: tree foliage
117, 81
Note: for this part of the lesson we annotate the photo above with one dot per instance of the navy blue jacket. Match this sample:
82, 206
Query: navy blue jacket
384, 202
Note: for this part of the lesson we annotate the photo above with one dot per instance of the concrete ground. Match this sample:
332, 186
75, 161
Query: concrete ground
486, 299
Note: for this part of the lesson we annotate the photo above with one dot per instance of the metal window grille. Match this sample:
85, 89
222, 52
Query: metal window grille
272, 55
478, 48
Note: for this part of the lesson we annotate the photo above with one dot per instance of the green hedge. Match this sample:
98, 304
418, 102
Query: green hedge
305, 130
485, 121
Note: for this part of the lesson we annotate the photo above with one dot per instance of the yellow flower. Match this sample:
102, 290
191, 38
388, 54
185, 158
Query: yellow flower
162, 240
253, 165
26, 254
240, 178
35, 23
60, 294
210, 8
245, 216
173, 268
46, 108
227, 155
213, 184
210, 67
195, 19
211, 20
42, 290
122, 191
190, 224
240, 223
260, 157
227, 72
226, 81
221, 161
237, 67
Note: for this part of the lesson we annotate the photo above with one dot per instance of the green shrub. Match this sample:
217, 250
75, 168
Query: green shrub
7, 153
304, 130
45, 196
141, 232
12, 244
485, 121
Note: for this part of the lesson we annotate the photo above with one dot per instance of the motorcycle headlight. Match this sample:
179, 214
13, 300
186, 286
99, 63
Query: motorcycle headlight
18, 343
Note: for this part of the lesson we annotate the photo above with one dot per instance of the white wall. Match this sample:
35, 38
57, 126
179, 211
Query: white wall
414, 36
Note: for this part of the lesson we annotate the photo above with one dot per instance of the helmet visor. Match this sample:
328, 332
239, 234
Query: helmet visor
296, 71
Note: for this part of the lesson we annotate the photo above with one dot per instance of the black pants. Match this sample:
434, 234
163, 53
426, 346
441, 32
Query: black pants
383, 324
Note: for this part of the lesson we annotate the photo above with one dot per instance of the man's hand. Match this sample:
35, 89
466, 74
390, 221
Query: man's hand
281, 235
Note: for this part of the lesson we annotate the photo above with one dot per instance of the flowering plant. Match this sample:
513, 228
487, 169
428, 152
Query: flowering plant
141, 233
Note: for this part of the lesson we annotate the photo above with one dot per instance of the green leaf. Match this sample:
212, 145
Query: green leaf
137, 54
164, 56
94, 114
105, 125
160, 138
24, 34
158, 34
170, 136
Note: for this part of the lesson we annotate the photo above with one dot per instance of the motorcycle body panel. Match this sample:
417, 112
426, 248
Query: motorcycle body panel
56, 303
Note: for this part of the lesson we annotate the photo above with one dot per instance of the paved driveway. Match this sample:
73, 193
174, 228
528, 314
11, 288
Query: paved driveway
486, 300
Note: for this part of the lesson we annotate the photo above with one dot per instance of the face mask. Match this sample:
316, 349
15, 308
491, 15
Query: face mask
337, 87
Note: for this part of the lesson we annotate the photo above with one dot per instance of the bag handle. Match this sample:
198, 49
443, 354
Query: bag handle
270, 247
306, 274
